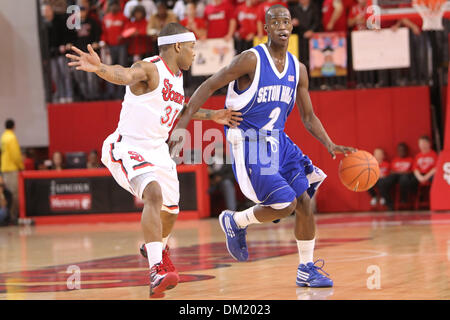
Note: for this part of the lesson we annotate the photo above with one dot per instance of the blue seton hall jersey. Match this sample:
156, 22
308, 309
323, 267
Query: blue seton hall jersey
286, 173
266, 104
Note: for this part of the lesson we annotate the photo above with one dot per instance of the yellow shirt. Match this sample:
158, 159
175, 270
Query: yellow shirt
11, 155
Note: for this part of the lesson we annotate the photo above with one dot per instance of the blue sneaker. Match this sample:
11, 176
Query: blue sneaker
309, 276
236, 243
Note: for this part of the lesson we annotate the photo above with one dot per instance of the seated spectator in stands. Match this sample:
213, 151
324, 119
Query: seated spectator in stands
5, 203
113, 25
196, 24
163, 17
401, 174
28, 159
57, 161
262, 9
221, 178
305, 20
384, 165
88, 33
245, 18
218, 17
149, 8
424, 165
59, 39
103, 5
92, 160
139, 44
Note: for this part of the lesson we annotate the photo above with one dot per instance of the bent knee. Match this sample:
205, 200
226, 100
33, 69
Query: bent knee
152, 194
288, 210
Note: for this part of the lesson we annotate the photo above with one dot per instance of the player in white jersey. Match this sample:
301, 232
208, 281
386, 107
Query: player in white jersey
136, 153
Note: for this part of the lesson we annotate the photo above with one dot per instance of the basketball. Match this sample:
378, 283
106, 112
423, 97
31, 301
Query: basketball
359, 171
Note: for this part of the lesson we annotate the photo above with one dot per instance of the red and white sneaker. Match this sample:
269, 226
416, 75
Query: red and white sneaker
165, 258
161, 280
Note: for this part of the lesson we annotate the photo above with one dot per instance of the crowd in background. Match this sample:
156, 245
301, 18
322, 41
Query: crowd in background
124, 31
401, 178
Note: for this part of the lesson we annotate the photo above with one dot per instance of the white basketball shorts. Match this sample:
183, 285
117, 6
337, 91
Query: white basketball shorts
134, 166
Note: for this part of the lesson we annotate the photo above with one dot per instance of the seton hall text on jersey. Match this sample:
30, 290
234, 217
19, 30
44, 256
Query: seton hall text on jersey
169, 94
275, 93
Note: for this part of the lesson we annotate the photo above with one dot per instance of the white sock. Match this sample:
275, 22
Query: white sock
245, 218
306, 250
165, 241
154, 252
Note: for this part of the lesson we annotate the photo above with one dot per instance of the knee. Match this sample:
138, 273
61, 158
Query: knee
287, 211
152, 195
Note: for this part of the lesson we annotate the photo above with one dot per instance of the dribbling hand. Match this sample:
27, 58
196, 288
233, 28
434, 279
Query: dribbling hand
333, 149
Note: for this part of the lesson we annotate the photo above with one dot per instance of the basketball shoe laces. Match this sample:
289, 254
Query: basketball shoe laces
166, 260
241, 233
315, 270
157, 268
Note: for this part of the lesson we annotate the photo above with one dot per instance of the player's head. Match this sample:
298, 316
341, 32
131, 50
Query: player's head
378, 153
424, 144
278, 25
9, 124
176, 40
402, 150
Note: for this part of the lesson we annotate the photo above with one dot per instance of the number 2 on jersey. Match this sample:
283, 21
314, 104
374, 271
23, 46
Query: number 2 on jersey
273, 118
168, 116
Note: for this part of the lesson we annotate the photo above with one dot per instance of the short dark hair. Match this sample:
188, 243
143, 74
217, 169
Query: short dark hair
138, 8
276, 6
171, 29
9, 124
425, 137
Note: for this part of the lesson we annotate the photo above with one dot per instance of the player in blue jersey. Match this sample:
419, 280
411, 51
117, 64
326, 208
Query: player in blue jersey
264, 83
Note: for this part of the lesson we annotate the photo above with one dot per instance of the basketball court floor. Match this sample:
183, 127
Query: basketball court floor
378, 255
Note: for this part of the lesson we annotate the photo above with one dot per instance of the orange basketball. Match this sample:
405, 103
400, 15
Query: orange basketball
359, 171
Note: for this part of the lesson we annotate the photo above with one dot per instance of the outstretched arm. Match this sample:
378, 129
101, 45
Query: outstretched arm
90, 62
309, 118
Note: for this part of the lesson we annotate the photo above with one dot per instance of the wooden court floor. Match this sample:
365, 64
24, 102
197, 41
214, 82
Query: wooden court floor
404, 255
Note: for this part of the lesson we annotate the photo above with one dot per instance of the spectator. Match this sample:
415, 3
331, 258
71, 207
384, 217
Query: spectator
149, 8
246, 18
113, 25
262, 9
305, 20
333, 16
160, 19
92, 161
193, 23
425, 161
179, 9
88, 33
5, 203
57, 161
222, 178
374, 192
12, 163
218, 16
28, 159
139, 44
60, 39
401, 174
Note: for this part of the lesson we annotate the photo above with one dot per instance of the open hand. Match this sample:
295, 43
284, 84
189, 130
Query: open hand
227, 117
89, 62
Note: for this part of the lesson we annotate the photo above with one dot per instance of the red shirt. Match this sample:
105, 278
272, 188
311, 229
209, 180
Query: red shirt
199, 24
246, 18
28, 164
218, 19
424, 162
355, 11
327, 12
141, 43
384, 168
401, 165
263, 7
113, 26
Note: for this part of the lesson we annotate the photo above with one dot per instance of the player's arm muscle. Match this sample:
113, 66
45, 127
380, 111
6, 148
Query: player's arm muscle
117, 74
309, 118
